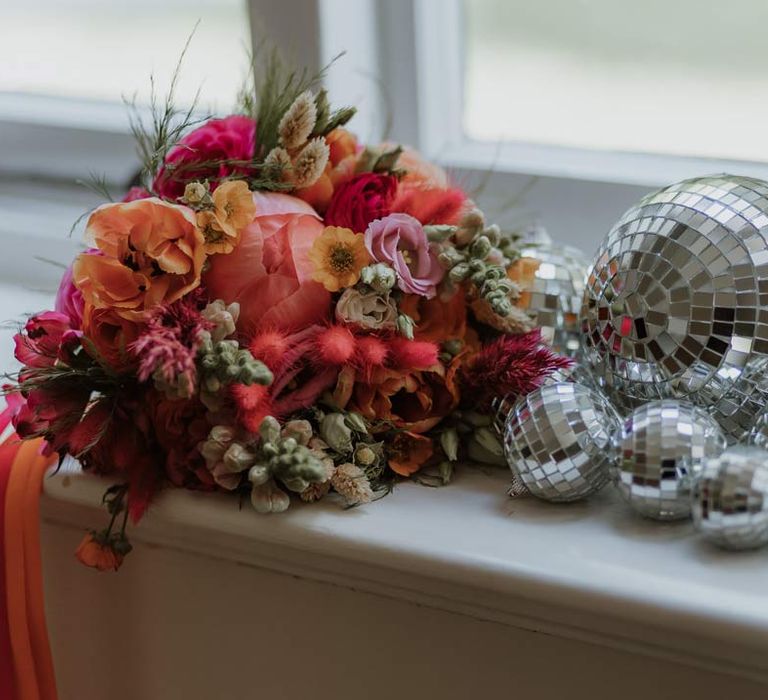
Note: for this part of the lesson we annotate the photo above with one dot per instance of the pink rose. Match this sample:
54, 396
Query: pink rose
399, 240
69, 299
200, 155
269, 273
362, 199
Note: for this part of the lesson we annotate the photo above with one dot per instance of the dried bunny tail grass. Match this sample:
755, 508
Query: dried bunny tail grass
352, 483
297, 123
310, 163
278, 161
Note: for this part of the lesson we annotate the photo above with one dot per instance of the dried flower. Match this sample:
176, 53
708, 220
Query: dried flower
335, 431
369, 310
222, 317
197, 193
269, 498
314, 492
299, 120
515, 322
379, 276
299, 430
278, 161
352, 483
99, 553
310, 164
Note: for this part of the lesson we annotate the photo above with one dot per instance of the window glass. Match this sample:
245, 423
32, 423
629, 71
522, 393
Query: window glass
686, 77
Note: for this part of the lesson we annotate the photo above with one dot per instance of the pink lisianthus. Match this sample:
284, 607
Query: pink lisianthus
69, 300
210, 152
269, 273
399, 240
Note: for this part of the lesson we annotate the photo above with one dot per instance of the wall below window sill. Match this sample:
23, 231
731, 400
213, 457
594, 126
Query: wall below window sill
590, 572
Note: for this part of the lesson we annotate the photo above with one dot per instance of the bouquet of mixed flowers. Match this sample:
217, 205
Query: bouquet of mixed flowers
276, 310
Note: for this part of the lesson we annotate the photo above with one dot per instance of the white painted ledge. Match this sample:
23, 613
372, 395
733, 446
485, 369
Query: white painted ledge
590, 571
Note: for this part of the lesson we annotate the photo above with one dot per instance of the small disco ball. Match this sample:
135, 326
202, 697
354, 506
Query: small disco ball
662, 446
730, 499
674, 305
558, 441
551, 278
758, 436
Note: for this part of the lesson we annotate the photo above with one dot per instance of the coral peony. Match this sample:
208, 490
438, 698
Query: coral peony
399, 240
362, 199
270, 273
152, 252
214, 151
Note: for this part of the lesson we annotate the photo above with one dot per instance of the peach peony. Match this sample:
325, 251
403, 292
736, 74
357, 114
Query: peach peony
270, 273
151, 252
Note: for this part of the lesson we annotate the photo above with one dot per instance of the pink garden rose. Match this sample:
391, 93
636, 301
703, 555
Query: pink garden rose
358, 201
269, 273
399, 240
69, 299
232, 138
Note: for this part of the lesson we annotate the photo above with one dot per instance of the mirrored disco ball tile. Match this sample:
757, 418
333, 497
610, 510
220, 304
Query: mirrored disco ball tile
673, 301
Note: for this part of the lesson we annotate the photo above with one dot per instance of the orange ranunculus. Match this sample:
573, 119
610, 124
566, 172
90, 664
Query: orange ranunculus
415, 400
108, 335
408, 452
342, 160
98, 555
151, 252
436, 319
270, 275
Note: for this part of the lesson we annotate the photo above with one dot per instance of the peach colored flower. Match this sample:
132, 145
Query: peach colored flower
408, 452
233, 209
419, 172
151, 252
271, 274
338, 255
98, 555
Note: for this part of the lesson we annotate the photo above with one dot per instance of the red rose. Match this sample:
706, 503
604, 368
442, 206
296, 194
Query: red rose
202, 153
362, 199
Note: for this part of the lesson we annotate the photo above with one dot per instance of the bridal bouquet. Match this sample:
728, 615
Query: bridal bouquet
278, 311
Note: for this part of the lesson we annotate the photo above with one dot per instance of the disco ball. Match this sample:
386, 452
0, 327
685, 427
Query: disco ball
674, 305
558, 441
662, 446
730, 499
551, 278
758, 436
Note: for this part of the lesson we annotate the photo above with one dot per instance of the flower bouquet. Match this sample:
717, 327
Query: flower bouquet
277, 311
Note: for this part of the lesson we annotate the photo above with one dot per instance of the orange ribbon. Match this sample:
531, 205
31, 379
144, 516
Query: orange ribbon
34, 677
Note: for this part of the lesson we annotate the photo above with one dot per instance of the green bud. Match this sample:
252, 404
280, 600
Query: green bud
478, 453
489, 440
335, 431
459, 272
405, 326
269, 498
356, 422
449, 441
238, 458
480, 248
380, 277
439, 233
269, 430
445, 470
258, 474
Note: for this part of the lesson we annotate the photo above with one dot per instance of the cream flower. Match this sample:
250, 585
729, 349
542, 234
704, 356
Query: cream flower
369, 310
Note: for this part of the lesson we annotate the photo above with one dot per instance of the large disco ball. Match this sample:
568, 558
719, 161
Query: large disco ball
675, 301
551, 278
558, 441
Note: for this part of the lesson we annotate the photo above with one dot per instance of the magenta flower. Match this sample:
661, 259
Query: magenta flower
69, 300
399, 240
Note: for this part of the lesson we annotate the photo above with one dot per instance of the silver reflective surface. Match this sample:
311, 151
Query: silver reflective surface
552, 281
662, 447
758, 436
558, 441
676, 301
730, 499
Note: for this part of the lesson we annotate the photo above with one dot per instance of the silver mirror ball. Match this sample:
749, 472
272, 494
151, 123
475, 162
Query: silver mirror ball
676, 301
730, 499
662, 448
558, 441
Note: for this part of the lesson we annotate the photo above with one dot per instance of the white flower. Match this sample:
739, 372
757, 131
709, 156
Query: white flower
297, 123
370, 310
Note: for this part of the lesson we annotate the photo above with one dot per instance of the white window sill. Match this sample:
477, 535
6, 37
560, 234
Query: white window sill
591, 572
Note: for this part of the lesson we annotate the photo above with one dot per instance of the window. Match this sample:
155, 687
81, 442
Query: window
683, 78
